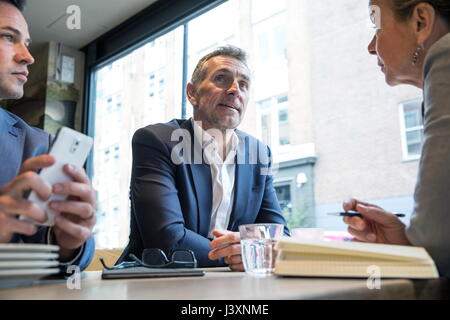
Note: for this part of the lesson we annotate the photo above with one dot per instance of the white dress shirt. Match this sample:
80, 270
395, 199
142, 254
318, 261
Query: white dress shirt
222, 175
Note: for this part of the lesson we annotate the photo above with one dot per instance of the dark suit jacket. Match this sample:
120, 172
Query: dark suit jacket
19, 142
171, 203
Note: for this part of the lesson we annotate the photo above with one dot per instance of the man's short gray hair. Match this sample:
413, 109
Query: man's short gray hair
226, 51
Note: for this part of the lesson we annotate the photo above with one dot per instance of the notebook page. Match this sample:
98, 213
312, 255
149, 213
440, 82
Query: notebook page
394, 252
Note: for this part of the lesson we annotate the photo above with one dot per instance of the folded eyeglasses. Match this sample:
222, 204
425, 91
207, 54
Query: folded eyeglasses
156, 258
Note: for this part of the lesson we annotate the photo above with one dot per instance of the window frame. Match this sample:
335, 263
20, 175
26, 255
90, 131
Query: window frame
405, 153
285, 182
273, 111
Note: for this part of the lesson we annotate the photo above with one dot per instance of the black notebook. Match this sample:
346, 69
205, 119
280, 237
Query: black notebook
143, 272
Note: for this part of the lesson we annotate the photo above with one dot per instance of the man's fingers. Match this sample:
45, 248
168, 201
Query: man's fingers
229, 238
26, 181
236, 259
80, 209
13, 225
37, 163
26, 208
235, 262
78, 189
77, 174
225, 252
74, 230
237, 267
219, 233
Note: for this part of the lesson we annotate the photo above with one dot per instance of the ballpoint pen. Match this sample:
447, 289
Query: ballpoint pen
356, 214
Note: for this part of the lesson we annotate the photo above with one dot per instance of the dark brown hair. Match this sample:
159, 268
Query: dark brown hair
404, 8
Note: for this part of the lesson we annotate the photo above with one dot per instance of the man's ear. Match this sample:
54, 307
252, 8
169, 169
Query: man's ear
190, 91
424, 18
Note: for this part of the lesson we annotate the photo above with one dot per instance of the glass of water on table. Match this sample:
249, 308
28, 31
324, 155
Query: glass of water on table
258, 247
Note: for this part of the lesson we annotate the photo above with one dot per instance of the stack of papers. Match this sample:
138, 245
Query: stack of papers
21, 264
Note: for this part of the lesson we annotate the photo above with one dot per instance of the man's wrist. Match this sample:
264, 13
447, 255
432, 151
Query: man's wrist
66, 256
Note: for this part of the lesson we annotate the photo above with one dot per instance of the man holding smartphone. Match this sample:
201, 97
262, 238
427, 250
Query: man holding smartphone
23, 151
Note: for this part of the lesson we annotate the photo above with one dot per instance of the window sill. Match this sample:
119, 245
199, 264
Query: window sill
412, 159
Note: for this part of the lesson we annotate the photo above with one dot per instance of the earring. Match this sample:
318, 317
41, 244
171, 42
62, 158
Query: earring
416, 55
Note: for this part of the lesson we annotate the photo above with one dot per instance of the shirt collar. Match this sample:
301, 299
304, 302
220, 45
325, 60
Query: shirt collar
205, 139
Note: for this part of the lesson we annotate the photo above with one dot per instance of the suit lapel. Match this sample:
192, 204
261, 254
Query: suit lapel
201, 176
11, 147
242, 184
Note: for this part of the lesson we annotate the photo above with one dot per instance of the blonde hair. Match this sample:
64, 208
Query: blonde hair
404, 8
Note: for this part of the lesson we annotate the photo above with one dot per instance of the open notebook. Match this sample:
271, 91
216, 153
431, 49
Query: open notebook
352, 260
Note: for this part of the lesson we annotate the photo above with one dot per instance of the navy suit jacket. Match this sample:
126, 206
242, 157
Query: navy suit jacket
19, 141
171, 203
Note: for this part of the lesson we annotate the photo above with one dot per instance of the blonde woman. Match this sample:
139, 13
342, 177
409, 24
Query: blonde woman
412, 44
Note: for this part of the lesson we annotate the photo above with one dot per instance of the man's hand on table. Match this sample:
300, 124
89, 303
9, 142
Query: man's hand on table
227, 245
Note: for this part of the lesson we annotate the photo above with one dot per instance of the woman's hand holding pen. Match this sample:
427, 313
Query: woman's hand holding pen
376, 224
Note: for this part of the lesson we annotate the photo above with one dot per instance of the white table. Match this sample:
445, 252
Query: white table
222, 284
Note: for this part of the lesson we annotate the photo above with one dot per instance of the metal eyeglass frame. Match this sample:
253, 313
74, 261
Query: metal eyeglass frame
173, 263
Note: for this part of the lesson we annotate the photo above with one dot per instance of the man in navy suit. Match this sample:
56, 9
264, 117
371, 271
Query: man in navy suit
22, 153
194, 182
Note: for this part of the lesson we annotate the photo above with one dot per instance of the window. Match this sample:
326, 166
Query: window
412, 128
272, 40
266, 126
131, 94
284, 127
275, 124
284, 197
